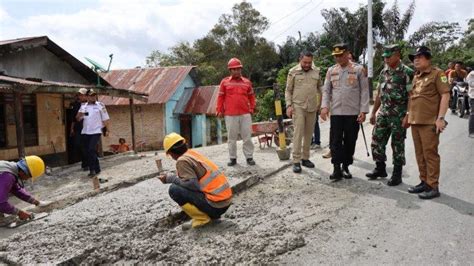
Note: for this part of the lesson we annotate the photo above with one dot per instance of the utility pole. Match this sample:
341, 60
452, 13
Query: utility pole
370, 49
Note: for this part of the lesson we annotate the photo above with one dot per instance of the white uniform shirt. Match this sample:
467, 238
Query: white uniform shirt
93, 122
470, 81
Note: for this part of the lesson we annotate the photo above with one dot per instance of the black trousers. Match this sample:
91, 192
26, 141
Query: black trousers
182, 196
471, 117
90, 142
343, 137
80, 148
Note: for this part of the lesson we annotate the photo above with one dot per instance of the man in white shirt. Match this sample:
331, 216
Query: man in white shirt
95, 122
470, 81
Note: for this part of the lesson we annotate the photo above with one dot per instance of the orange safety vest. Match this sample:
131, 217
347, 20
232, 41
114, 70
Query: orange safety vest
214, 183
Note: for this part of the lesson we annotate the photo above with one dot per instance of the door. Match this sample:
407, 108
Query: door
185, 124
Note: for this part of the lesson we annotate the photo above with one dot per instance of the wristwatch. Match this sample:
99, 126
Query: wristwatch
440, 117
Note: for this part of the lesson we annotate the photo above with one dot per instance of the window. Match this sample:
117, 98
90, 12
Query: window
30, 120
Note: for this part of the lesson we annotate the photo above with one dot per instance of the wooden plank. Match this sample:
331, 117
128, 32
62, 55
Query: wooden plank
20, 133
132, 124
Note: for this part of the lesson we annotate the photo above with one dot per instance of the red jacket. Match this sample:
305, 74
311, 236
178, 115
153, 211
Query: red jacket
236, 96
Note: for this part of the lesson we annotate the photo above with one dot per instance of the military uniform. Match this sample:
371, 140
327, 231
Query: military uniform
303, 95
346, 94
425, 101
394, 85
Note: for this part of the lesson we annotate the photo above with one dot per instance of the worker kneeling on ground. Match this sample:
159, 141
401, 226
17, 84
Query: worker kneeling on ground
200, 188
12, 176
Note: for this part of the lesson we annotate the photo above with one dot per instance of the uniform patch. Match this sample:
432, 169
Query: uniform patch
444, 79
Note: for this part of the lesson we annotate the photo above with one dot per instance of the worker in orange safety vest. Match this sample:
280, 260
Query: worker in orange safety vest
199, 187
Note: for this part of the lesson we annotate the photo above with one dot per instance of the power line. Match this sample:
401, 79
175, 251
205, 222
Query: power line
296, 22
291, 13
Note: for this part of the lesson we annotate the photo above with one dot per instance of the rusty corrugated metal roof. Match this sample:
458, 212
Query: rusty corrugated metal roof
16, 45
160, 83
6, 83
203, 101
183, 101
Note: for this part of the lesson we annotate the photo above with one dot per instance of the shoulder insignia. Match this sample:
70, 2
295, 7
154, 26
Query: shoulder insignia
444, 79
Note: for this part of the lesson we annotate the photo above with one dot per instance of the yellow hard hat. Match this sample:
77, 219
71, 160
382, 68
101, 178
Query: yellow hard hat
35, 166
171, 139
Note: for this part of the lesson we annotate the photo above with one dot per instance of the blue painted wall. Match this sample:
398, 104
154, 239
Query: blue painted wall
197, 129
172, 121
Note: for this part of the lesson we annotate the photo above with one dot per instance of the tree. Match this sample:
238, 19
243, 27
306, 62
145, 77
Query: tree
436, 35
237, 34
394, 28
349, 27
180, 54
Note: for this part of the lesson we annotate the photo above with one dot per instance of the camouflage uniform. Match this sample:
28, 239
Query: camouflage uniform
394, 85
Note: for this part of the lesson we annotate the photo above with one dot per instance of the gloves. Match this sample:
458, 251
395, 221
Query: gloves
24, 215
41, 203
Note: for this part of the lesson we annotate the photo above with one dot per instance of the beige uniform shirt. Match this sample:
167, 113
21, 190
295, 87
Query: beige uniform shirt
346, 90
303, 88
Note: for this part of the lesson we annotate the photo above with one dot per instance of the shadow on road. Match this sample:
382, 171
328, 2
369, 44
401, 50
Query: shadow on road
398, 193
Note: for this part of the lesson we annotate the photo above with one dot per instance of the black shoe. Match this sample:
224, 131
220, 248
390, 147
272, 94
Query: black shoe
307, 163
296, 168
345, 172
85, 169
429, 193
250, 161
91, 174
418, 188
379, 171
232, 162
396, 178
337, 173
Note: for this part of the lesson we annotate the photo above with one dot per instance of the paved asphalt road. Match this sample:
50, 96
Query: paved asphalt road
389, 226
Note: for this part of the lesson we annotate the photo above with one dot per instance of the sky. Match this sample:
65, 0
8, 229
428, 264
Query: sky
132, 29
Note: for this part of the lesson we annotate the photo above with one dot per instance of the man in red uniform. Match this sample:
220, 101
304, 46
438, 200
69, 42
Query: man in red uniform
236, 102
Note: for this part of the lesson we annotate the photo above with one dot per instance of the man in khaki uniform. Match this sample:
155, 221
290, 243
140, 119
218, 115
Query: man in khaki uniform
302, 98
346, 95
427, 107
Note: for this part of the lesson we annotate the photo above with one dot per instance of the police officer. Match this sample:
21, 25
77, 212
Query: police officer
392, 99
346, 93
302, 103
429, 100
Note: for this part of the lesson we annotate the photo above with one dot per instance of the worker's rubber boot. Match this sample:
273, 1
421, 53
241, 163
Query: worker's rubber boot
379, 171
198, 217
396, 178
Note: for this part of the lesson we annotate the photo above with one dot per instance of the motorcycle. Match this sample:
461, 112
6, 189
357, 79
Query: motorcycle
460, 90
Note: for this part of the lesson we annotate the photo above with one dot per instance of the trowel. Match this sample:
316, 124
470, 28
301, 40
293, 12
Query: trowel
34, 217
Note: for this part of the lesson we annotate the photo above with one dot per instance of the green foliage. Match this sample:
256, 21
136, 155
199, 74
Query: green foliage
239, 34
436, 35
235, 35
